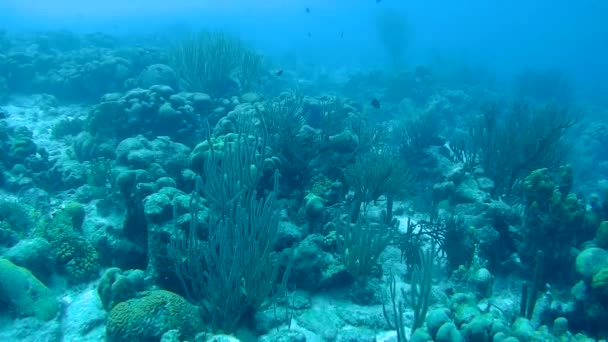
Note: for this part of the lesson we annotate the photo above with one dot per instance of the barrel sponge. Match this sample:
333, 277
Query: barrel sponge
25, 294
150, 316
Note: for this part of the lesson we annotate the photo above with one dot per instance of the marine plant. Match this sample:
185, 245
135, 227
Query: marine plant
375, 174
510, 143
285, 118
433, 231
361, 243
414, 135
232, 272
207, 61
418, 298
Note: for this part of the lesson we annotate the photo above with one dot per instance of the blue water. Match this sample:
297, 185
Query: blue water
351, 139
504, 36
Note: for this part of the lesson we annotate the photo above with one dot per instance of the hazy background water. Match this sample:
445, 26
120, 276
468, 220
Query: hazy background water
502, 36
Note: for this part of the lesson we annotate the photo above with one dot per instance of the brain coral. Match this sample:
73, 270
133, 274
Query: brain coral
150, 316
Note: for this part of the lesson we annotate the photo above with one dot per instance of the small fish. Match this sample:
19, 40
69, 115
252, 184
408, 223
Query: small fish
378, 1
307, 10
376, 103
341, 34
309, 34
280, 72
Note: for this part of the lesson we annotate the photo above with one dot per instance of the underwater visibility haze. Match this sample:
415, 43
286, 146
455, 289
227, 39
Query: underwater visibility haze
361, 170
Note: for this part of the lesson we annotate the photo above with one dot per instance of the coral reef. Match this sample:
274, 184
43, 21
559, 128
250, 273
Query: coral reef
200, 191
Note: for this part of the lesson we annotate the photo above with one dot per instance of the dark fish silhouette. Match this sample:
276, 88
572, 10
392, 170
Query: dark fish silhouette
307, 10
377, 1
309, 34
342, 34
280, 72
376, 103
